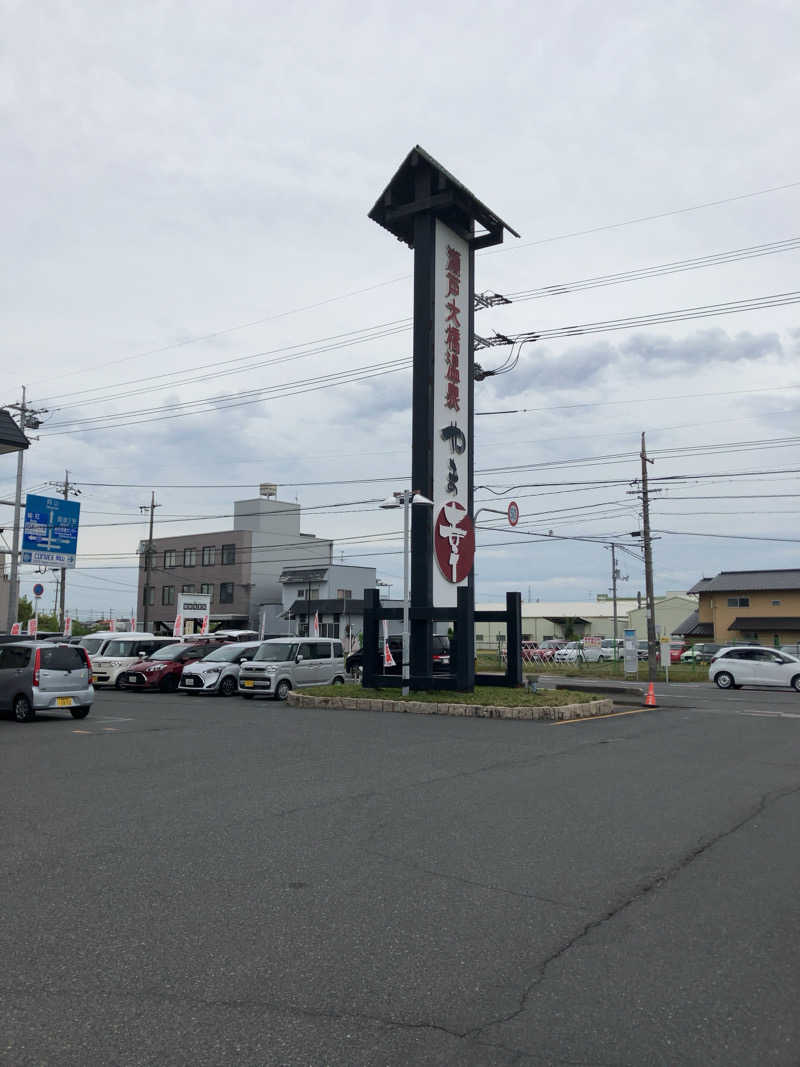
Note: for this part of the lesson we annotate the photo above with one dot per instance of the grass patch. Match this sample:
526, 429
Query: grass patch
678, 672
498, 696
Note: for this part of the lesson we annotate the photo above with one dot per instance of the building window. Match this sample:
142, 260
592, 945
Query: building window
148, 595
208, 589
228, 555
187, 588
170, 558
167, 594
479, 637
310, 592
190, 558
329, 629
738, 601
209, 555
776, 603
344, 594
225, 591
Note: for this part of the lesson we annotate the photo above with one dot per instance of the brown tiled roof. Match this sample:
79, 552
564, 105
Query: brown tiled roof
748, 581
766, 622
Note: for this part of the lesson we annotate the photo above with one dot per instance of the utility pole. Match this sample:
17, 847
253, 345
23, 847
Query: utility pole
66, 489
148, 559
648, 571
27, 420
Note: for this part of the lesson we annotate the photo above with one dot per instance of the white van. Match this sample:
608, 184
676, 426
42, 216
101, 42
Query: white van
121, 652
285, 663
96, 643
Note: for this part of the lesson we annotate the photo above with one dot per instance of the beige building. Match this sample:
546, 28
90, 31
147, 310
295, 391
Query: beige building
670, 611
758, 606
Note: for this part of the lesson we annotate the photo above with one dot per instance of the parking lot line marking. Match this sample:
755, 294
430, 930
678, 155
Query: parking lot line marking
110, 730
81, 731
591, 718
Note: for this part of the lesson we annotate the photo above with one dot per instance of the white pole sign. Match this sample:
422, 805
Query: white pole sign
453, 532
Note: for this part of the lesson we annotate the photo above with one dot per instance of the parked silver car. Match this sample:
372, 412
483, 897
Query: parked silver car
218, 672
288, 663
38, 676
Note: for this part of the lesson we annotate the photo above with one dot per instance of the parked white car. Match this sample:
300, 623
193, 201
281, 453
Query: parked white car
218, 672
119, 654
740, 665
572, 652
604, 652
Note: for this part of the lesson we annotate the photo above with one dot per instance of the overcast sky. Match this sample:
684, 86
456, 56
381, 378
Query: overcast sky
171, 171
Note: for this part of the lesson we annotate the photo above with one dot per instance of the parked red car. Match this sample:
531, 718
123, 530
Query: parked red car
676, 650
164, 668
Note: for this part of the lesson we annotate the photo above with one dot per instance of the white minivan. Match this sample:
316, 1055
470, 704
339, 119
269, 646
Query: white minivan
285, 663
119, 654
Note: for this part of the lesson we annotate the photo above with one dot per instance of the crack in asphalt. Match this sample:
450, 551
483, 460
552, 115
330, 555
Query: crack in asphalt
402, 861
765, 801
505, 764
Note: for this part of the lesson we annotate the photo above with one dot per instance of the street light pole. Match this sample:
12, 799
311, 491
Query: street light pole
405, 670
405, 498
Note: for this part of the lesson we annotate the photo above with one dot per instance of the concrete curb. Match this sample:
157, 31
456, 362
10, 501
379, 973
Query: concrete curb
547, 713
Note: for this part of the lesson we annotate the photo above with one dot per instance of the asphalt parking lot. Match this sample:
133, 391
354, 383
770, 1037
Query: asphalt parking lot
211, 882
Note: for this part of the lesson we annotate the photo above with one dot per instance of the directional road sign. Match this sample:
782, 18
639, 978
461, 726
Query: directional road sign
50, 535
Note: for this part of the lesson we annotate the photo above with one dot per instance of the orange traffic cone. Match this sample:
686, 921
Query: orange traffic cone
650, 699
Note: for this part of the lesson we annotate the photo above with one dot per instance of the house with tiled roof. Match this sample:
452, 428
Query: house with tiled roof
757, 606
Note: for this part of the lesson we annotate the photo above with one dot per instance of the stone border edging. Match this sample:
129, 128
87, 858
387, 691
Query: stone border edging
547, 713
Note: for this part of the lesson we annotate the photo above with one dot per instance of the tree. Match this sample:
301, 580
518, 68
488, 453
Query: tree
25, 610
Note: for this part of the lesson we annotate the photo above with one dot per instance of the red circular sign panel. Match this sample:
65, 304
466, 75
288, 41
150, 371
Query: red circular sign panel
454, 541
513, 513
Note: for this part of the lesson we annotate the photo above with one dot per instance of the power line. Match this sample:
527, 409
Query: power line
736, 255
658, 318
643, 400
642, 218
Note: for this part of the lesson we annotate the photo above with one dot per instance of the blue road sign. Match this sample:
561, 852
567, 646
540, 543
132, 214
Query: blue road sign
50, 534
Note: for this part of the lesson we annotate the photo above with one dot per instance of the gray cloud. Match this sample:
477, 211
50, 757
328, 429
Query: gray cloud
705, 346
542, 369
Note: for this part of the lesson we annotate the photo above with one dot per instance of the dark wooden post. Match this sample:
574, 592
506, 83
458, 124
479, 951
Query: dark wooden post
514, 637
371, 610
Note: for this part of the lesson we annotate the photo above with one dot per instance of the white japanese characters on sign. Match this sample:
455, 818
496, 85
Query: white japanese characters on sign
453, 533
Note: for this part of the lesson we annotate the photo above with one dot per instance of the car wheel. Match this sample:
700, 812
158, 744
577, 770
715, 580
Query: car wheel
168, 684
228, 686
795, 683
338, 681
724, 680
118, 682
82, 712
282, 689
23, 712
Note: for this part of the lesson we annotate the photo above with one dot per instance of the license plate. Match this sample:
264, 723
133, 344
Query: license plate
132, 678
94, 679
64, 702
248, 684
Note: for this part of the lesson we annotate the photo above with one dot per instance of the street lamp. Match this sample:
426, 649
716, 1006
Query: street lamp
404, 499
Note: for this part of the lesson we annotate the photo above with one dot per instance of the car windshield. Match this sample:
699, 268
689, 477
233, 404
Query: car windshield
120, 648
272, 652
94, 644
227, 653
167, 652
